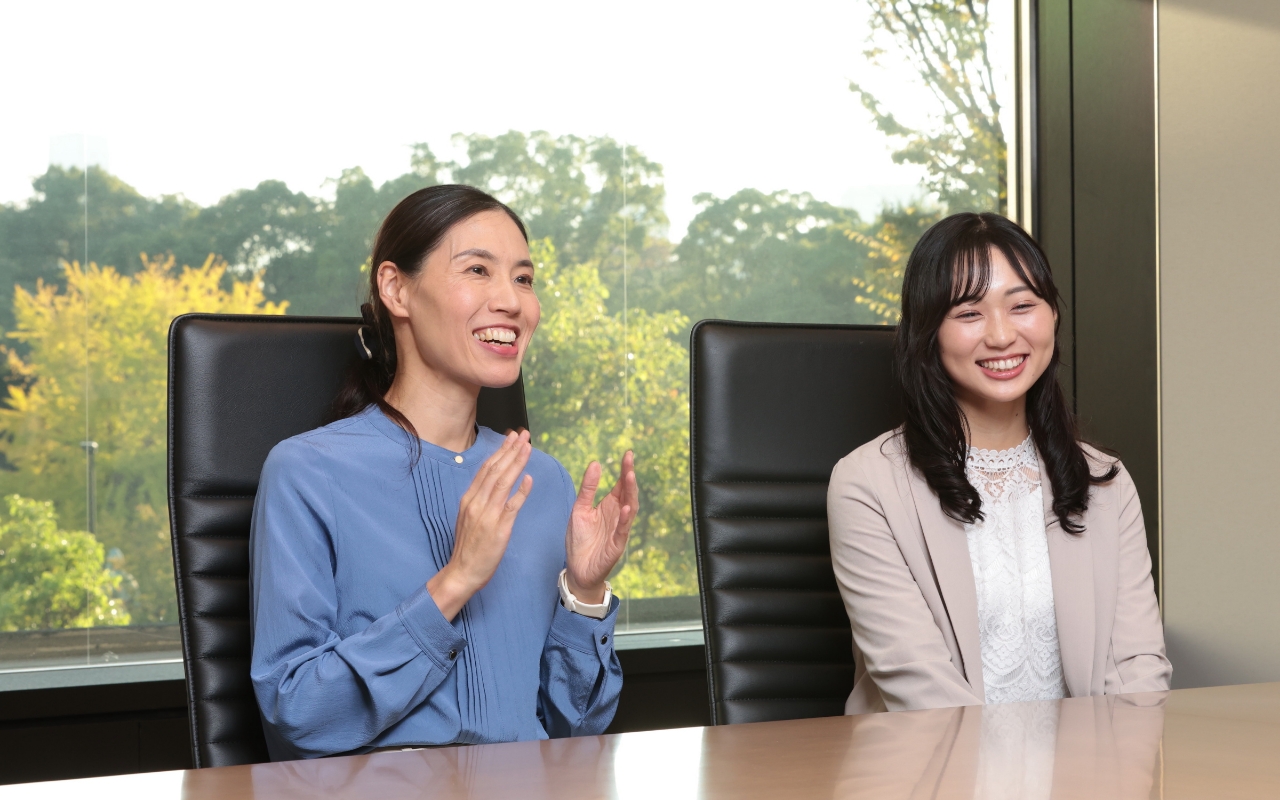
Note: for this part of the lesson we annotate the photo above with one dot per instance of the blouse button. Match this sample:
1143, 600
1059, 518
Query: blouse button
458, 459
453, 654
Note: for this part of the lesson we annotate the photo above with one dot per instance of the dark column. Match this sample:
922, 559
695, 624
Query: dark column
1097, 220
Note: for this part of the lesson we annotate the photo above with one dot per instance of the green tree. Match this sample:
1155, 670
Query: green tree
569, 189
252, 229
888, 241
778, 256
962, 146
37, 236
101, 339
51, 578
308, 250
572, 190
600, 378
314, 260
598, 386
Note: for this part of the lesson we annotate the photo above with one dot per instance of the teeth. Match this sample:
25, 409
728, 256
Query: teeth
1002, 364
499, 335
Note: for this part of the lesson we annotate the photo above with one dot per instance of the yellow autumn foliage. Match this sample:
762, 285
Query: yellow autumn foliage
91, 363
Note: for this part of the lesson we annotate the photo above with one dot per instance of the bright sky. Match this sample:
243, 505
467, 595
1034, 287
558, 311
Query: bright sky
202, 99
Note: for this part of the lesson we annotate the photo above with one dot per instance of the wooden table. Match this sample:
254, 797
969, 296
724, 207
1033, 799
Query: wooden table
1193, 743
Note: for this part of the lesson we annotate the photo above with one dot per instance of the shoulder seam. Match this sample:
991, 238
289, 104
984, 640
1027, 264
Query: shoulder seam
336, 425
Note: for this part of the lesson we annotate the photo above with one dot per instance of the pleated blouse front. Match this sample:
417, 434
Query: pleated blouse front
351, 653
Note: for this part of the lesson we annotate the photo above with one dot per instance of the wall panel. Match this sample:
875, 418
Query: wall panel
1220, 291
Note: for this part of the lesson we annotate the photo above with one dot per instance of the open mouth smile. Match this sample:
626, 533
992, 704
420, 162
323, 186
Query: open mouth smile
1005, 368
497, 339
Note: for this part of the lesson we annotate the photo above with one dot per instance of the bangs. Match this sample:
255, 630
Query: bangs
971, 268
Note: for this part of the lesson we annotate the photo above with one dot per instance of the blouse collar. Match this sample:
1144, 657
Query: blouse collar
1023, 455
487, 441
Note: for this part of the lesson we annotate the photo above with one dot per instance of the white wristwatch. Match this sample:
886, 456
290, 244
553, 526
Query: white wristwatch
575, 605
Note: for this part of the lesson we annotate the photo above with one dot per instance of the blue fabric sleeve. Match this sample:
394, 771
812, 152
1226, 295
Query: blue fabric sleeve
580, 677
320, 694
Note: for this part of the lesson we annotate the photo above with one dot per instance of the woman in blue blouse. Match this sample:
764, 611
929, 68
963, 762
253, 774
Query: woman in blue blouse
417, 579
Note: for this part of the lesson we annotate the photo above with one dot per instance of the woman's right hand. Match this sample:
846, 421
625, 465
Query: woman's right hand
485, 516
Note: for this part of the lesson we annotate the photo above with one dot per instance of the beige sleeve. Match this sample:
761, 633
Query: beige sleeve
905, 653
1137, 662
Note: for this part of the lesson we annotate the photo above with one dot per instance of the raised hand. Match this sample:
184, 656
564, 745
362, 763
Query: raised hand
485, 516
597, 535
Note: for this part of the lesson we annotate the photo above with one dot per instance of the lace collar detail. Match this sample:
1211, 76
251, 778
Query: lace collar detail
1003, 476
1024, 455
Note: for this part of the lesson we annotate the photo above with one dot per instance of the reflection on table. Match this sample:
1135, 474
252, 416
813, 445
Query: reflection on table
1217, 743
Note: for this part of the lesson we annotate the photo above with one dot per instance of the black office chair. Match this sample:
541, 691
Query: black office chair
774, 407
237, 386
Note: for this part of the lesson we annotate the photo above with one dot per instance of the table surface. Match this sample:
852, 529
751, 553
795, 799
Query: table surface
1221, 742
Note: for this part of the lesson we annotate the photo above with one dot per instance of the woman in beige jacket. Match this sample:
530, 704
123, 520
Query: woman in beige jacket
984, 553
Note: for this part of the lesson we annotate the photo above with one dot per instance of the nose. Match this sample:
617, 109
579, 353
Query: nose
503, 298
1000, 332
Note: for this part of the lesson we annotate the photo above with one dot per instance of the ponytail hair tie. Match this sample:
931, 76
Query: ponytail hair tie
363, 349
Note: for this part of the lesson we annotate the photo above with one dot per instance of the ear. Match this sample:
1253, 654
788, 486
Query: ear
393, 287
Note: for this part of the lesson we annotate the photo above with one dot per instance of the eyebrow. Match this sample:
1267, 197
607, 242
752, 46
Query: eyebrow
480, 252
1007, 293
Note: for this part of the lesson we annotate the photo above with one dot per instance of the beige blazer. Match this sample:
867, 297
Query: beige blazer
904, 572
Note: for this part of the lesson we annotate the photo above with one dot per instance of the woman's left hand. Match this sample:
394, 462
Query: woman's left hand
597, 535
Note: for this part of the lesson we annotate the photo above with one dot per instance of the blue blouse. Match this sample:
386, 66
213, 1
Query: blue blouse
351, 653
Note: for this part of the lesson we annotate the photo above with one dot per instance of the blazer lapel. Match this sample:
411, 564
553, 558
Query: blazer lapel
1071, 565
949, 553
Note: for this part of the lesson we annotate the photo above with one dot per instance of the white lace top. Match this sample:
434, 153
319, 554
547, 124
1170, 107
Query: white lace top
1010, 557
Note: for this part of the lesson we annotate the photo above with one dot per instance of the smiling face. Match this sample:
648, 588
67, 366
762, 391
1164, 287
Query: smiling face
468, 315
995, 348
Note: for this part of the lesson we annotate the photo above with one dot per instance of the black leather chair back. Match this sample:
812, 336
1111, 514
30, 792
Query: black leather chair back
238, 385
774, 407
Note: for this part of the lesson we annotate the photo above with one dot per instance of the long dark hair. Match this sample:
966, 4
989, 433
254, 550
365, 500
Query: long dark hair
409, 234
951, 264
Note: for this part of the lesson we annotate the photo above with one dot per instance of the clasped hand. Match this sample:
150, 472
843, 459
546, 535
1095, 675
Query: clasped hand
595, 539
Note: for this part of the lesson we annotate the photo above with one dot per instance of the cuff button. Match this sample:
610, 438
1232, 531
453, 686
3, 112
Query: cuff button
453, 654
604, 640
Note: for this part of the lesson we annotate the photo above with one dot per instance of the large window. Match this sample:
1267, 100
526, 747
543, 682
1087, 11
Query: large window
674, 161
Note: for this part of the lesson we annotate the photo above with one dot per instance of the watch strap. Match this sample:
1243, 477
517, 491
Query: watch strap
593, 610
